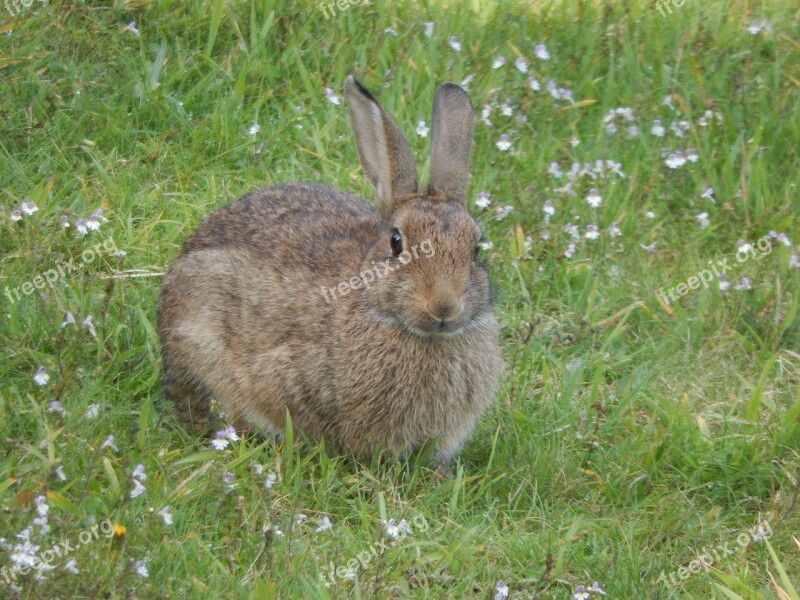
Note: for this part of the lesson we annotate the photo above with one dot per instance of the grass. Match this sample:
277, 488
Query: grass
631, 435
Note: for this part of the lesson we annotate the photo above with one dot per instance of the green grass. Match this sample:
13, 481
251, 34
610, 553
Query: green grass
629, 435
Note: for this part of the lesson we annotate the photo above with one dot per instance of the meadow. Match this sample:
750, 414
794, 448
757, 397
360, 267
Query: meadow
635, 171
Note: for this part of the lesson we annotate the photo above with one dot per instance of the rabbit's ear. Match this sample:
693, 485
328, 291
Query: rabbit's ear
383, 151
452, 126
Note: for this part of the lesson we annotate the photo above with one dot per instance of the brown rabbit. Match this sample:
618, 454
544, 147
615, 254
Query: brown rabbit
371, 325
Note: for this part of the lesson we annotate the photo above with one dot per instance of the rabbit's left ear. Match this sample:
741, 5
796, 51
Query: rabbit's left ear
452, 127
383, 151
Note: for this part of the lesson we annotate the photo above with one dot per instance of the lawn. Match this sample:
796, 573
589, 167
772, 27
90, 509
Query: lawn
635, 171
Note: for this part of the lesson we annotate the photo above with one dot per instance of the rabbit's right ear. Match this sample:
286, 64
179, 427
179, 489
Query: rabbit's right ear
383, 151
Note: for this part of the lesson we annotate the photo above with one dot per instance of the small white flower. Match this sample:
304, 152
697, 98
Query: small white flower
422, 129
675, 160
332, 97
594, 198
482, 200
521, 64
498, 62
138, 489
581, 593
467, 80
569, 251
485, 112
502, 590
596, 589
691, 155
724, 284
487, 245
709, 193
650, 214
574, 141
300, 519
166, 515
254, 129
92, 411
60, 473
141, 569
92, 223
394, 530
16, 215
651, 249
138, 473
219, 443
454, 43
613, 230
270, 480
703, 219
657, 129
72, 567
506, 110
783, 239
758, 25
132, 28
503, 144
87, 322
534, 83
744, 284
573, 231
325, 524
592, 232
502, 211
109, 443
41, 377
794, 261
540, 50
548, 208
632, 132
743, 247
41, 506
429, 25
28, 207
64, 221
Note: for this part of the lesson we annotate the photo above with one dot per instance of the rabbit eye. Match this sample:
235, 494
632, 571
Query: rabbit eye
396, 242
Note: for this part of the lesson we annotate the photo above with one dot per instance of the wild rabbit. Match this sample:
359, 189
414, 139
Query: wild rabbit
371, 325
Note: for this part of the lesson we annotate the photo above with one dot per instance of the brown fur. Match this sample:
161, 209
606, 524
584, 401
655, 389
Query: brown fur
415, 357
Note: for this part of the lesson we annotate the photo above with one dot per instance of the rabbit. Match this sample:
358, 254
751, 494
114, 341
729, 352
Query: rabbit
371, 325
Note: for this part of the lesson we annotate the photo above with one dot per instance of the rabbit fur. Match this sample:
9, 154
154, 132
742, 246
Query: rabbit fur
292, 298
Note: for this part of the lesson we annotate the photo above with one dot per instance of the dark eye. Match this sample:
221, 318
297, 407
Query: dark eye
396, 242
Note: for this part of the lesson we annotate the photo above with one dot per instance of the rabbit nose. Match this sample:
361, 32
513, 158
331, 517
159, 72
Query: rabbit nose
444, 309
